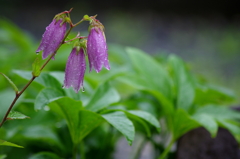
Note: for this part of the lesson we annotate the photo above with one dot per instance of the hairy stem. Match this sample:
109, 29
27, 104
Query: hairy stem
15, 99
18, 94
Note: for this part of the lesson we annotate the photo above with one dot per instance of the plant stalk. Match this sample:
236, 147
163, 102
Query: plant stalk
82, 151
166, 151
18, 94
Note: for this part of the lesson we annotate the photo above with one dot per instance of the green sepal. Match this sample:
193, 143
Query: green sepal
11, 82
36, 67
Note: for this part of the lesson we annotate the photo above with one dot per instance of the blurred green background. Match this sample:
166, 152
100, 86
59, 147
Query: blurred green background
205, 34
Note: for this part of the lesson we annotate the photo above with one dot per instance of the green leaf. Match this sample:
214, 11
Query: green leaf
46, 96
24, 74
122, 124
44, 155
139, 123
87, 122
209, 115
184, 86
139, 83
166, 104
16, 115
45, 79
154, 75
69, 110
211, 94
232, 126
146, 116
5, 143
80, 122
208, 122
41, 133
36, 67
218, 112
6, 97
11, 82
103, 97
58, 75
182, 123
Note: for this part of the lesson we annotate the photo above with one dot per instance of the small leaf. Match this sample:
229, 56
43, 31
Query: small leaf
122, 124
146, 116
46, 96
36, 67
5, 143
16, 115
11, 82
44, 155
103, 97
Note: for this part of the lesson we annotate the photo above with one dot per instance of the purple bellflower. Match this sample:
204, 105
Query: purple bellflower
97, 49
52, 37
75, 69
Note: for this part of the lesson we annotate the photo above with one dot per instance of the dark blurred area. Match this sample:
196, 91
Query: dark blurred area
204, 33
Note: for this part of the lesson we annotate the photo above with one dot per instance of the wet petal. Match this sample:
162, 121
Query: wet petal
97, 50
75, 69
52, 38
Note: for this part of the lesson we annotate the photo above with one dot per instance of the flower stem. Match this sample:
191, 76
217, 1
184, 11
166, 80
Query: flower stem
18, 94
82, 20
166, 151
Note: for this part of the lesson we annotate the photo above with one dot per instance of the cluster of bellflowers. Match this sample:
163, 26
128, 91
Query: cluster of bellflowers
94, 47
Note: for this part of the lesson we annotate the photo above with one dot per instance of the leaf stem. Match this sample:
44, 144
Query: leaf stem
74, 155
166, 151
82, 152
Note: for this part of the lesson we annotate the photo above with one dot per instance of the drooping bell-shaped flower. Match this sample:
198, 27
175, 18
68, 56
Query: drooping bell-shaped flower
52, 37
97, 49
75, 69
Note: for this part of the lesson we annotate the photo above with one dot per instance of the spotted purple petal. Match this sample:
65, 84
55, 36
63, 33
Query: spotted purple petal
97, 50
52, 37
75, 69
